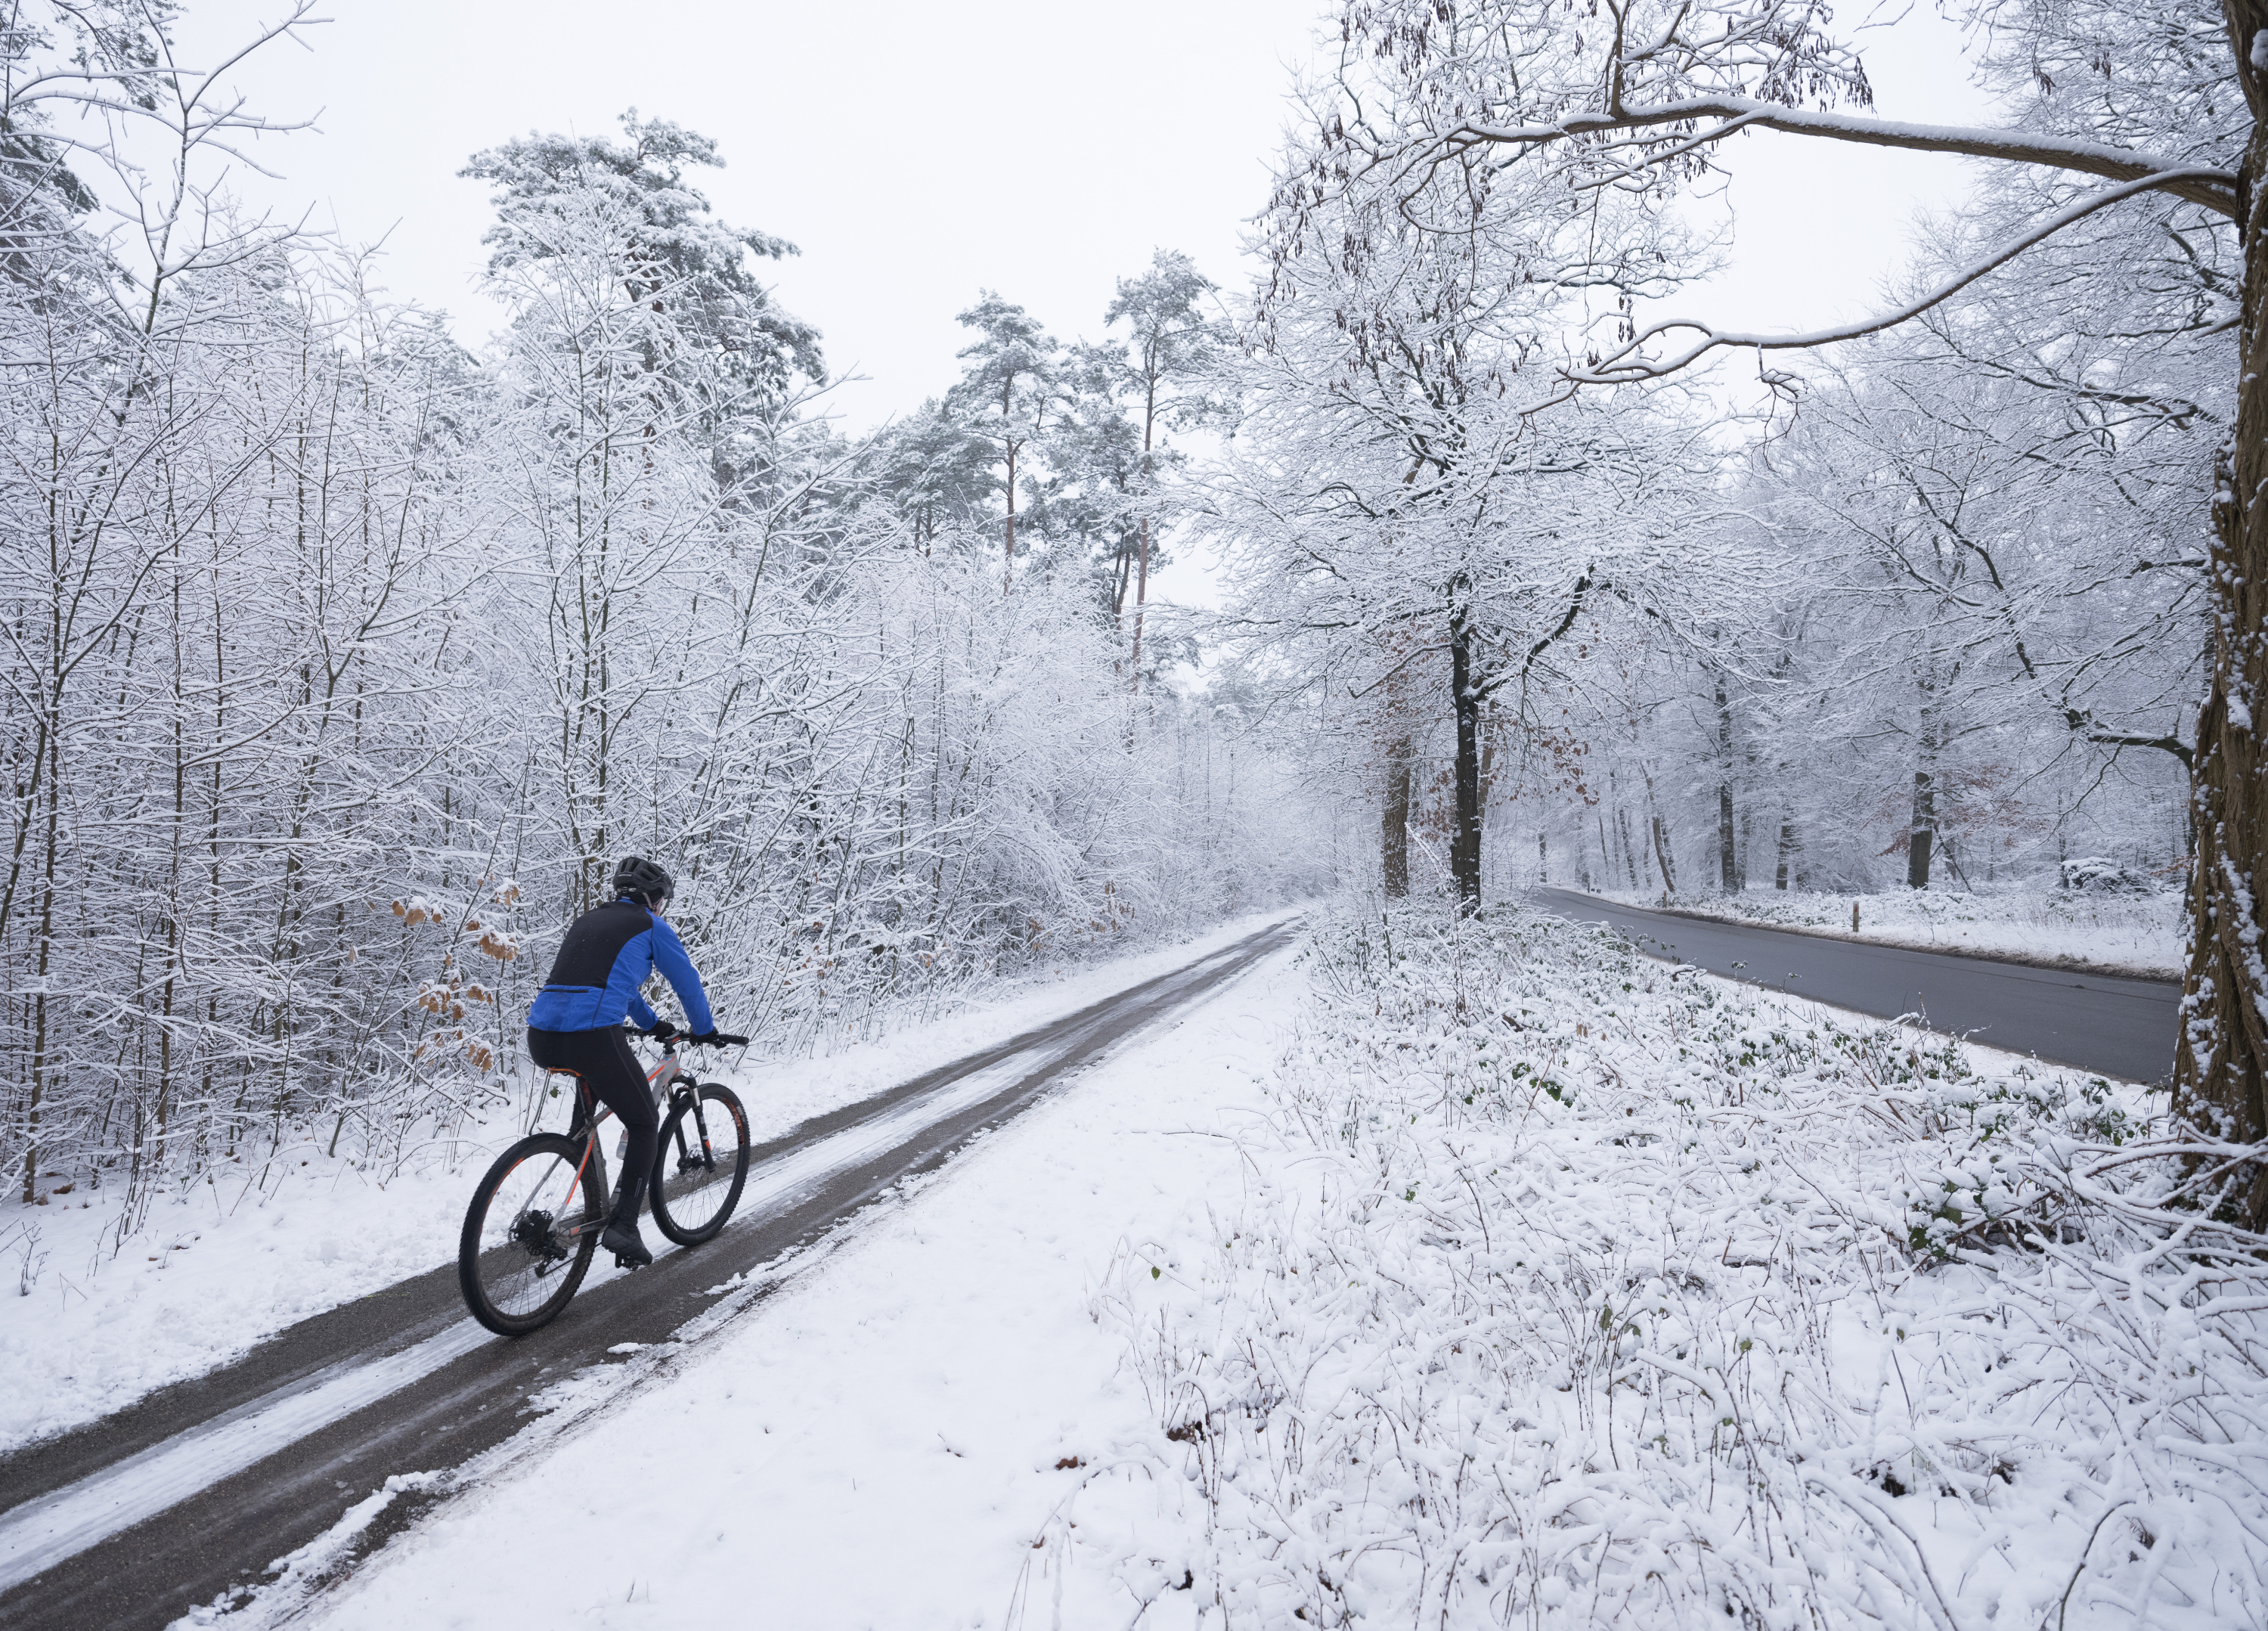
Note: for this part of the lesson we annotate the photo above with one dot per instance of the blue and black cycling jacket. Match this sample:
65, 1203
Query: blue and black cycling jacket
607, 956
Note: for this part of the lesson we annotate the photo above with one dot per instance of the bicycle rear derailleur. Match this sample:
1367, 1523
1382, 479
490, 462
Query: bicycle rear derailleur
532, 1230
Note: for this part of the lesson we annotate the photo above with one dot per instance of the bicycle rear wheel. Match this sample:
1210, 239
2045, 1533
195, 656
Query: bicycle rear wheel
516, 1270
702, 1165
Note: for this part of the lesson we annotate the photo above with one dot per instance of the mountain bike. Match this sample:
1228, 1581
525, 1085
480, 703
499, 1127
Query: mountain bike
534, 1223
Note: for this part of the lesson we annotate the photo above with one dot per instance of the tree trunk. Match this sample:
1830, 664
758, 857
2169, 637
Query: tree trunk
1141, 602
1729, 864
1008, 574
1491, 732
40, 1037
1661, 831
1921, 836
2220, 1053
1924, 834
1787, 849
1142, 578
1395, 835
1465, 844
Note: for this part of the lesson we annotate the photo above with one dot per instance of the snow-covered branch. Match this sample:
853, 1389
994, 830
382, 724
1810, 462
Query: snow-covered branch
2213, 188
1630, 364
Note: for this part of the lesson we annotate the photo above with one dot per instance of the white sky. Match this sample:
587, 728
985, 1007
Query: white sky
917, 151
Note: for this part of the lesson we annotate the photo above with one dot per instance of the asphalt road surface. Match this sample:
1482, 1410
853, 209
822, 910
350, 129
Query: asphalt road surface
2100, 1022
192, 1493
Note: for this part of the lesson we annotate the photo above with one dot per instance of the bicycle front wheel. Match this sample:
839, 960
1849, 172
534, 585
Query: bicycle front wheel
529, 1235
702, 1165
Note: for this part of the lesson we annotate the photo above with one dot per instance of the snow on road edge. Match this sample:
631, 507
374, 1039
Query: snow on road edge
2137, 936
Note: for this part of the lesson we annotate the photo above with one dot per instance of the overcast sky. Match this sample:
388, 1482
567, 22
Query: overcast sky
918, 152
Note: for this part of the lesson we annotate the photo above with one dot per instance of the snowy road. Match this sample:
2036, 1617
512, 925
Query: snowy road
136, 1519
2122, 1028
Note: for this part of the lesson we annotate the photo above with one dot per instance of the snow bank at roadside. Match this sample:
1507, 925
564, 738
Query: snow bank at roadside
1634, 1297
912, 1436
2139, 934
212, 1272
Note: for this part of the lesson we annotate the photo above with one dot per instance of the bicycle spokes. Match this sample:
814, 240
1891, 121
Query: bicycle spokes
529, 1235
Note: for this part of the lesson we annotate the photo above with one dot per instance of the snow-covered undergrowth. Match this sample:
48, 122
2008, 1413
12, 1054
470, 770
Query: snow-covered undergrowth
1618, 1293
2138, 932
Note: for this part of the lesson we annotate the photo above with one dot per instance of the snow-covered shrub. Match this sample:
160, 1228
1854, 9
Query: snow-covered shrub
2098, 875
1598, 1290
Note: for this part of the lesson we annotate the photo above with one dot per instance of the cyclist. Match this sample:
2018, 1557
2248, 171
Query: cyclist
576, 1024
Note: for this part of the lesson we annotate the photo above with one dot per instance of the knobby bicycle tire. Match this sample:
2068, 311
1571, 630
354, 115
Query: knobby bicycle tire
695, 1189
515, 1273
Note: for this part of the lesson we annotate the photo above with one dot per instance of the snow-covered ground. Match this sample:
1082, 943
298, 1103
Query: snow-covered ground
901, 1437
1480, 1275
214, 1272
2137, 934
1460, 1278
1617, 1294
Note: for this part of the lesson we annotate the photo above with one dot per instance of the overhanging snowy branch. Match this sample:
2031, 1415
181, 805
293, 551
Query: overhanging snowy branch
1629, 364
2213, 188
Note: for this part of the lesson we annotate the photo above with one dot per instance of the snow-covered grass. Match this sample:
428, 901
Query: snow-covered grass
88, 1325
1614, 1293
2136, 934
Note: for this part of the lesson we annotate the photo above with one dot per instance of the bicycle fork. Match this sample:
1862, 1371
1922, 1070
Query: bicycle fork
592, 1170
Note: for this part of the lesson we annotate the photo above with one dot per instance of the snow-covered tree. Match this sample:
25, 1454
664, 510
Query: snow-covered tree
1638, 103
1005, 394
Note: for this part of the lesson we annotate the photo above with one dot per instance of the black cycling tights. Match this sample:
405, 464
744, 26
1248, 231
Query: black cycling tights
603, 1059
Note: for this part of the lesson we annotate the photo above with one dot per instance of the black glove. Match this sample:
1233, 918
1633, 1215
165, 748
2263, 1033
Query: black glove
662, 1031
717, 1039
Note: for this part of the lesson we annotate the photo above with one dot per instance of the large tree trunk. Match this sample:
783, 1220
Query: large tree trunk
2221, 1050
1465, 844
1395, 835
1923, 835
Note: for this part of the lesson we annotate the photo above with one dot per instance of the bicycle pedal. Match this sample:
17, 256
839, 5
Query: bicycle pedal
623, 1261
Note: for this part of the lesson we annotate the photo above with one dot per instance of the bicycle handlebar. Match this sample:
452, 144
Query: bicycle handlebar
714, 1039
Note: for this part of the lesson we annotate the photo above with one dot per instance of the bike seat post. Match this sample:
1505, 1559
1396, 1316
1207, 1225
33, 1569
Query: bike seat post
585, 1107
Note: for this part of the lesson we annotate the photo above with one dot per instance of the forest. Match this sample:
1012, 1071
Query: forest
343, 661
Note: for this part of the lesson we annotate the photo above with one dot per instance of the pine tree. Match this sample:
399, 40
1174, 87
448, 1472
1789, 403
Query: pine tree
1005, 394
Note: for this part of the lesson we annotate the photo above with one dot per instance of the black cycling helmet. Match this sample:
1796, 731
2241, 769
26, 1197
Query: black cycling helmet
640, 877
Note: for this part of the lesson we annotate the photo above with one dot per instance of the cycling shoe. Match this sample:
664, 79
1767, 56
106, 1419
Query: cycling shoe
621, 1238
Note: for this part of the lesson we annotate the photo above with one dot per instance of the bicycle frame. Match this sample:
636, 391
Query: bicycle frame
591, 1171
